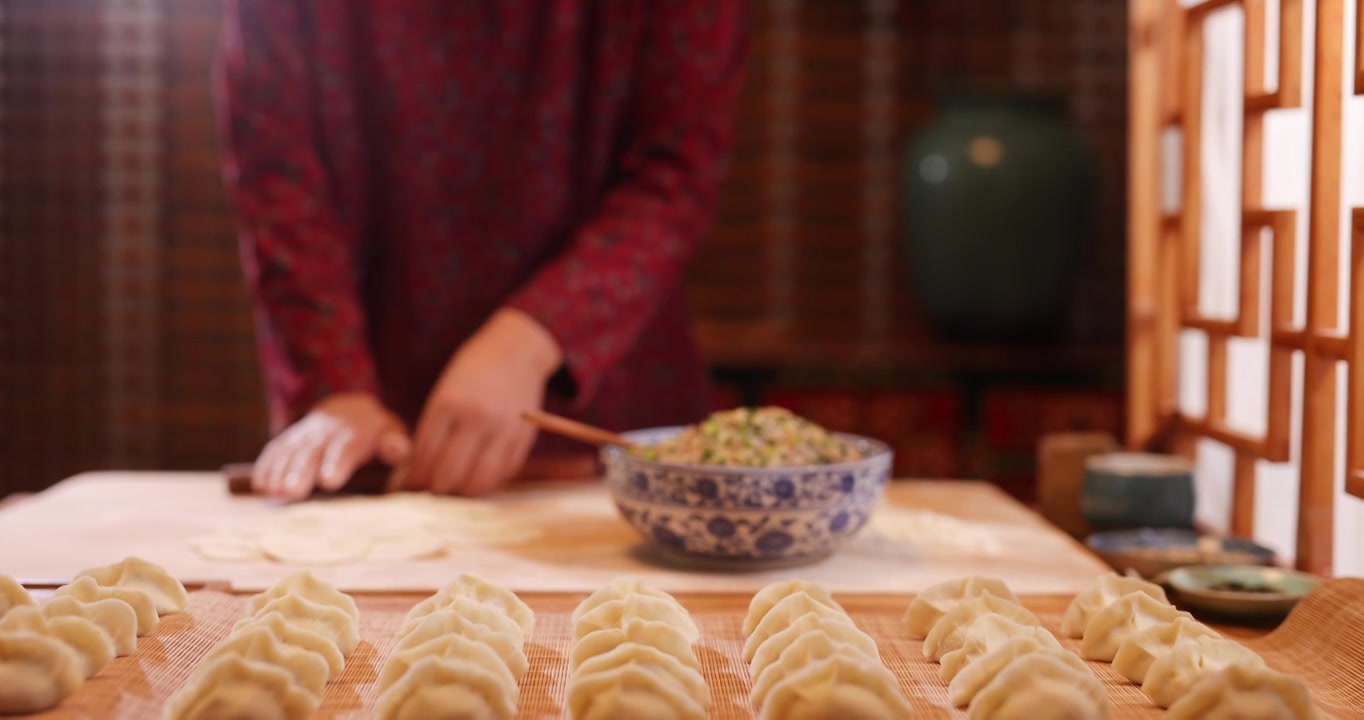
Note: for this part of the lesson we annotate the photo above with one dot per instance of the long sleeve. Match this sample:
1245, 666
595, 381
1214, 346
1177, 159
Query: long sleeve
597, 295
297, 253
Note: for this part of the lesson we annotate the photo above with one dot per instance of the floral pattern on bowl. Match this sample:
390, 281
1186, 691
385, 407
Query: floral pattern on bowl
744, 513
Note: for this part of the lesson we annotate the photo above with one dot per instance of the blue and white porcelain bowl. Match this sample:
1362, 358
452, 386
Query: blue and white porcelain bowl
744, 514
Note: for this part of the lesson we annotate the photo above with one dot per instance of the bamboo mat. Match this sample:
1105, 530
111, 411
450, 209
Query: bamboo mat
1322, 642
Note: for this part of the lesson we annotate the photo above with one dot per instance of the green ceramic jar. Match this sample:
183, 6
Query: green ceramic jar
998, 197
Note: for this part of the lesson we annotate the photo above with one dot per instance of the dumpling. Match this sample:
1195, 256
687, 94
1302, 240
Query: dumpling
451, 622
975, 676
116, 618
325, 620
837, 687
1103, 592
297, 636
485, 615
446, 687
87, 590
598, 695
458, 646
478, 590
950, 631
806, 650
985, 635
1141, 648
619, 589
309, 670
1126, 616
12, 595
1176, 672
636, 654
614, 613
168, 594
785, 612
36, 672
653, 633
230, 686
309, 588
936, 601
1245, 692
1042, 686
94, 647
767, 598
837, 627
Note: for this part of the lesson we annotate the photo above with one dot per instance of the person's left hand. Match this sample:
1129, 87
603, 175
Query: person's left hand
471, 437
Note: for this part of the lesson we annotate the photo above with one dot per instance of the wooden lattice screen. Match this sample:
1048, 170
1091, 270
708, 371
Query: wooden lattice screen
1164, 255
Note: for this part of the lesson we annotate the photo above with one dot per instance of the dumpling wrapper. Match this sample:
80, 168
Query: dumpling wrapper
168, 594
230, 686
94, 646
1041, 686
839, 686
950, 632
1143, 647
1175, 673
1105, 590
36, 672
934, 602
1126, 616
767, 598
1245, 692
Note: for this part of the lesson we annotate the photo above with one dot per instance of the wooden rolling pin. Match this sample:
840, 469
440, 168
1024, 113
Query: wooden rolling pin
373, 479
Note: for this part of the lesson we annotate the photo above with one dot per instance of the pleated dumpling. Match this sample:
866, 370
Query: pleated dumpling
1177, 671
985, 635
12, 595
230, 686
328, 621
1104, 591
653, 633
980, 672
619, 589
1245, 692
452, 622
116, 618
309, 669
446, 687
1141, 648
480, 591
87, 590
300, 637
767, 598
1042, 686
1124, 617
836, 626
36, 672
650, 658
838, 686
167, 593
806, 650
305, 585
446, 646
597, 696
936, 601
949, 633
614, 614
782, 615
94, 647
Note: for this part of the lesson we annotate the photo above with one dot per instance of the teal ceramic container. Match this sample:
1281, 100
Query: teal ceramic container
1138, 490
998, 198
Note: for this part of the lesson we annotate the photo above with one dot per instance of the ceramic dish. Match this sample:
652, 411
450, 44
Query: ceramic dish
744, 516
1244, 591
1151, 552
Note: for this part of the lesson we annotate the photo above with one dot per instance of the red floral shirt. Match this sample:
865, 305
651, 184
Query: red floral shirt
403, 168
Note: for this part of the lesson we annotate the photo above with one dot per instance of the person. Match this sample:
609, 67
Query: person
452, 212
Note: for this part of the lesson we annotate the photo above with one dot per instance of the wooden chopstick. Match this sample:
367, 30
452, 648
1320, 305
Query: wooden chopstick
575, 430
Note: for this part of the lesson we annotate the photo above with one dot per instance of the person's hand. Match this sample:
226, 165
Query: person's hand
326, 446
471, 437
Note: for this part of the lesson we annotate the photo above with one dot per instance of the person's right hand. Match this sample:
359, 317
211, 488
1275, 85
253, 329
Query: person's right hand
326, 446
